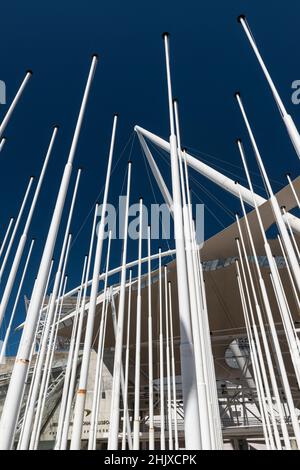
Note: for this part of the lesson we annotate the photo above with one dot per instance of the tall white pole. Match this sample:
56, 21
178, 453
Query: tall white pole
115, 397
189, 386
23, 239
125, 412
169, 400
2, 143
40, 328
137, 376
284, 308
35, 437
173, 369
287, 119
49, 338
51, 315
6, 236
274, 203
200, 350
98, 373
150, 347
161, 361
7, 333
81, 392
265, 393
279, 358
15, 391
253, 351
14, 102
64, 395
62, 444
13, 235
114, 318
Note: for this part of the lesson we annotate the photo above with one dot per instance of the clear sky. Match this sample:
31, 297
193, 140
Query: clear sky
211, 59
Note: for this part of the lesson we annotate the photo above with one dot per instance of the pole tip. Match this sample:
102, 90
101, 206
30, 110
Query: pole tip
236, 182
116, 115
95, 56
55, 126
237, 94
238, 140
288, 174
241, 17
283, 207
80, 168
29, 71
237, 239
165, 35
175, 100
129, 162
140, 199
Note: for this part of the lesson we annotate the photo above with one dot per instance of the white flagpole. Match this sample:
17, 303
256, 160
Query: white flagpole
81, 392
2, 142
274, 203
253, 352
52, 311
170, 434
17, 259
6, 236
279, 357
150, 348
115, 397
49, 338
98, 375
200, 351
99, 398
287, 119
7, 333
284, 309
173, 370
35, 437
161, 361
125, 412
64, 395
14, 102
13, 235
17, 382
137, 377
189, 387
265, 387
62, 444
39, 328
114, 318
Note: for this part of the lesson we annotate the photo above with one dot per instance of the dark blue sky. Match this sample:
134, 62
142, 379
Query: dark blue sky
211, 59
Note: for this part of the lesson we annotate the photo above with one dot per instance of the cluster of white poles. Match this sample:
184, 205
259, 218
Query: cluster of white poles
202, 425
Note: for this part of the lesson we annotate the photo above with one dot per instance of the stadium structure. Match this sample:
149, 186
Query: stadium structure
195, 348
